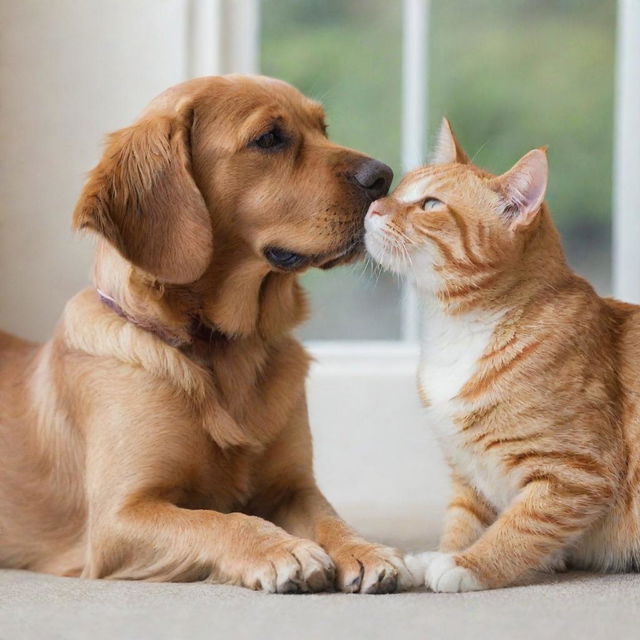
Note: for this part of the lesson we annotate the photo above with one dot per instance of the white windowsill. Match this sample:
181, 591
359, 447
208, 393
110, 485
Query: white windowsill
363, 357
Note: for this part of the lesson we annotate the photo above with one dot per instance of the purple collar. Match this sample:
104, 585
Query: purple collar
198, 330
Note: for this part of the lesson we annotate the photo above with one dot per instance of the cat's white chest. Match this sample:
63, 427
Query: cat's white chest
451, 349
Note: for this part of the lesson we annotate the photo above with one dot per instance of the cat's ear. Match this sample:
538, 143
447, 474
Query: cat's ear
448, 149
522, 188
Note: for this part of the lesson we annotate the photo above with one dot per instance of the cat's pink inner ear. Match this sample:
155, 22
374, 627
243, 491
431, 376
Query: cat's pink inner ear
523, 188
448, 149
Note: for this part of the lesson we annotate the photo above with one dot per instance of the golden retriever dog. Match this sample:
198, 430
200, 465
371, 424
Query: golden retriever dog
162, 433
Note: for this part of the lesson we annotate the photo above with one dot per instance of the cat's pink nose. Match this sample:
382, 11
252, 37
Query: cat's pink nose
376, 208
387, 206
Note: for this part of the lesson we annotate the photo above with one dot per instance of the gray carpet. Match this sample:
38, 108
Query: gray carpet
574, 605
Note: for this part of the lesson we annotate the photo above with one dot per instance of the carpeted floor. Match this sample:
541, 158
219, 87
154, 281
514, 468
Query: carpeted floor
574, 605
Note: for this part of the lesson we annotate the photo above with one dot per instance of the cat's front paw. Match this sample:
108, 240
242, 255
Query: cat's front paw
441, 573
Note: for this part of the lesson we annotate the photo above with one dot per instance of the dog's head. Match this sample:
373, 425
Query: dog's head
226, 163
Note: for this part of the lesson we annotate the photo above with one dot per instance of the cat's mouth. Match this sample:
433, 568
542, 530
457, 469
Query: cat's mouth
391, 249
383, 251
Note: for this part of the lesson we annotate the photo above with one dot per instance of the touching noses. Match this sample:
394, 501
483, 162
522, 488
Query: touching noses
374, 177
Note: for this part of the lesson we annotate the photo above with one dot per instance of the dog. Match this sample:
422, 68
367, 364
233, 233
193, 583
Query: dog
162, 432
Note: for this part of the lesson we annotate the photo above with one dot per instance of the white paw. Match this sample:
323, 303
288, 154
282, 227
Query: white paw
417, 564
440, 573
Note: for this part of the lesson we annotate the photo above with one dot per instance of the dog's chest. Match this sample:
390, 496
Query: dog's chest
451, 349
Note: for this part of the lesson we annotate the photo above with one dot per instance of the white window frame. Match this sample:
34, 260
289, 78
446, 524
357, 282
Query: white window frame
224, 37
626, 165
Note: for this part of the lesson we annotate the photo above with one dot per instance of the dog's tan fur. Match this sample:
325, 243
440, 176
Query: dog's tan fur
131, 448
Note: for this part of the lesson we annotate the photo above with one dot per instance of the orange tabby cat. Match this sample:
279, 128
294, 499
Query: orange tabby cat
530, 379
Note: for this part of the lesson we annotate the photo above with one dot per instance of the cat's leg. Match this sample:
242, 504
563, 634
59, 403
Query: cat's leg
547, 515
468, 516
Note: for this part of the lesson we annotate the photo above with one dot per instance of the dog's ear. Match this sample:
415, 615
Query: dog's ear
143, 199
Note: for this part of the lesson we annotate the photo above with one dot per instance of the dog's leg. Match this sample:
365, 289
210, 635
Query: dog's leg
143, 464
292, 500
156, 540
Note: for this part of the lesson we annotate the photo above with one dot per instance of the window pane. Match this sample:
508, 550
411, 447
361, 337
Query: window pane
512, 75
347, 54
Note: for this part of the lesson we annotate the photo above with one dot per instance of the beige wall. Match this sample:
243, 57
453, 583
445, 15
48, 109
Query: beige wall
70, 71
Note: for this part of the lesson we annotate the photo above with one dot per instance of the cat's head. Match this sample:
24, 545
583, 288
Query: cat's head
451, 227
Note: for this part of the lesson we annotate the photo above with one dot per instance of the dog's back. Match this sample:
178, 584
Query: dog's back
13, 344
15, 354
34, 516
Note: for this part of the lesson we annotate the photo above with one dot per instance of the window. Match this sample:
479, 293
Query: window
510, 74
536, 73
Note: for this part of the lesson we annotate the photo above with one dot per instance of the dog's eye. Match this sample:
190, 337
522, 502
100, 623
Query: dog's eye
270, 140
431, 203
284, 259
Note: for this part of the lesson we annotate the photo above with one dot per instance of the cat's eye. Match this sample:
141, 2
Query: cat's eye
431, 203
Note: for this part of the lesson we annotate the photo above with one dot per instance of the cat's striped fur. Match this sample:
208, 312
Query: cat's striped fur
530, 379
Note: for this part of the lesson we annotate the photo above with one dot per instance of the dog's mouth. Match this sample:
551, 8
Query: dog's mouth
287, 260
352, 251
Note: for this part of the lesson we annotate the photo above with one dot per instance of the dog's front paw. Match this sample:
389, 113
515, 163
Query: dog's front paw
272, 560
293, 566
363, 567
441, 573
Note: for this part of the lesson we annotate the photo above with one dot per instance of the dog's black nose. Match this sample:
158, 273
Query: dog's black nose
374, 177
